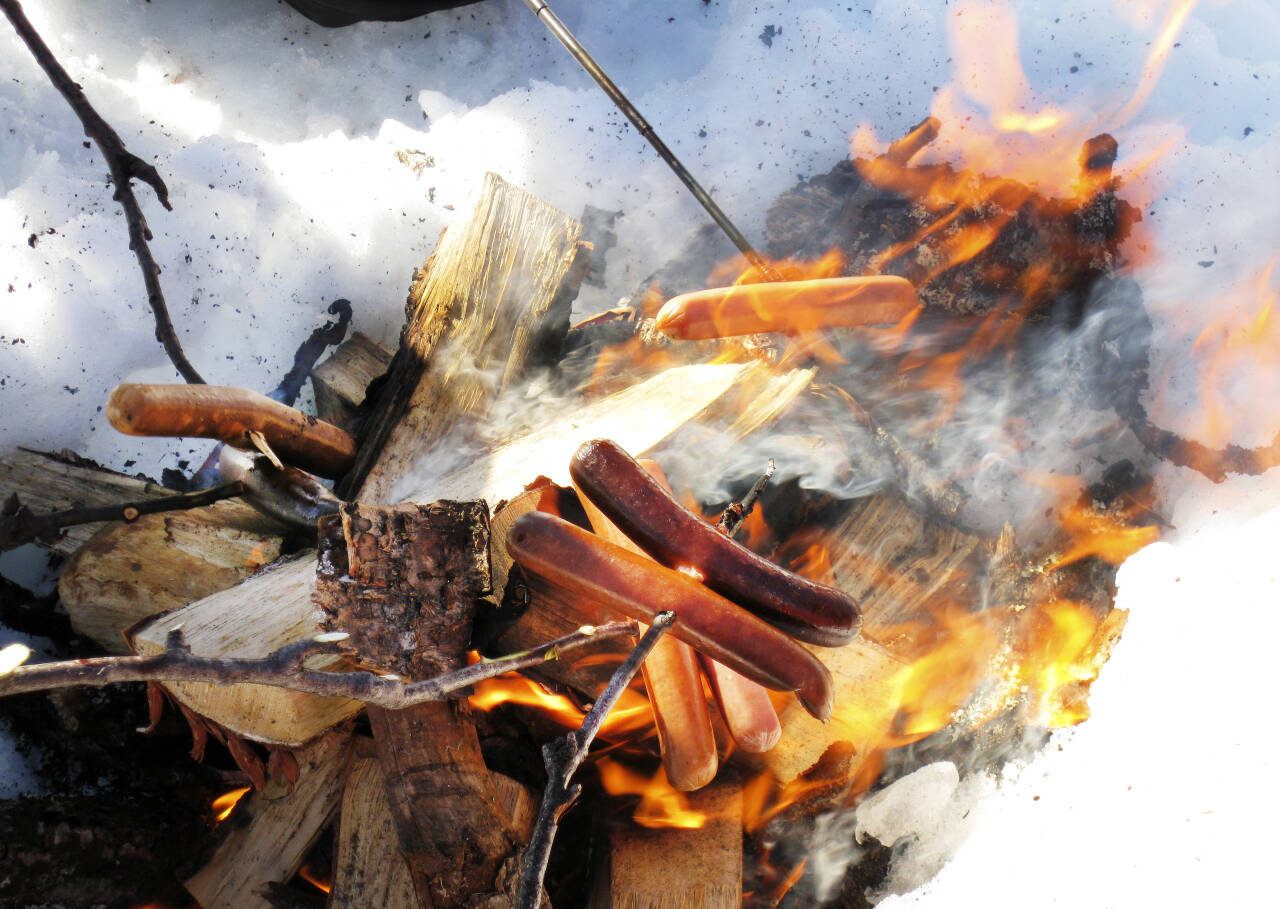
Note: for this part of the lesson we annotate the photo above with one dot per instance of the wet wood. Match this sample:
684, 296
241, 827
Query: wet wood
277, 831
127, 572
404, 582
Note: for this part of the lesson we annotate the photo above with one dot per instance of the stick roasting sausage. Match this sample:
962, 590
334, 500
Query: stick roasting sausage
230, 414
791, 307
635, 586
676, 537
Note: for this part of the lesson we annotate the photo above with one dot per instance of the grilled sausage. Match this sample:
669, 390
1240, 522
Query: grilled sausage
230, 414
792, 307
676, 537
674, 683
635, 586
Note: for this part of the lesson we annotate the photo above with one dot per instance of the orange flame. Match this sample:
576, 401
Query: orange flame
631, 717
661, 804
226, 803
322, 884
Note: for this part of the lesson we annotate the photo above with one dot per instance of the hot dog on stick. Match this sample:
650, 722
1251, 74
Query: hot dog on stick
790, 307
230, 414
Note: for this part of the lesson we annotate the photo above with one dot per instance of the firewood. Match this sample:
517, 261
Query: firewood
403, 582
679, 868
895, 561
493, 299
281, 828
47, 481
127, 572
341, 381
862, 675
368, 869
274, 608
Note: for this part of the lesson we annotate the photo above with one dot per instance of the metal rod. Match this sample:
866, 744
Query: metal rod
557, 28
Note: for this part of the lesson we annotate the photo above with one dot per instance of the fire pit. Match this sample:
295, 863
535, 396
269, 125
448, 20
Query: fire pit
957, 383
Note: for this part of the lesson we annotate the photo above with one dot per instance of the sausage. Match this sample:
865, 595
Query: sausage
635, 586
674, 683
745, 706
748, 713
791, 307
230, 414
676, 537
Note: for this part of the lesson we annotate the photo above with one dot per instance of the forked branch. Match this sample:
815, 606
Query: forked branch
124, 167
285, 668
563, 757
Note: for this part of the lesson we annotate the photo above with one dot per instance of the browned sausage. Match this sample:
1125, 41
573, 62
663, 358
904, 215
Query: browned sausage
230, 414
792, 307
677, 538
674, 683
748, 713
635, 586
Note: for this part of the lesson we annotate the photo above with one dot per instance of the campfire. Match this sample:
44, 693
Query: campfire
721, 591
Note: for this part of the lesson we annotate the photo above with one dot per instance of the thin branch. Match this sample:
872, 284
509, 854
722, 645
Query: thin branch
733, 516
563, 757
124, 167
19, 525
284, 669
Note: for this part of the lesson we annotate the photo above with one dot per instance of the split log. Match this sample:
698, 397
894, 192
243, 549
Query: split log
49, 481
127, 572
403, 582
369, 869
274, 608
341, 381
280, 830
493, 299
679, 868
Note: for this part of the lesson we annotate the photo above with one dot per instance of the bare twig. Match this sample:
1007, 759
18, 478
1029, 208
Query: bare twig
124, 167
563, 757
18, 525
285, 669
733, 516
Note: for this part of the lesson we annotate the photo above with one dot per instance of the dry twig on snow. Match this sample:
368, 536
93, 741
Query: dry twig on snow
124, 166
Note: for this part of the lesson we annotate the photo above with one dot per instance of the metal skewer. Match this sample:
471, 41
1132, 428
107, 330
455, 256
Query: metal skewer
557, 28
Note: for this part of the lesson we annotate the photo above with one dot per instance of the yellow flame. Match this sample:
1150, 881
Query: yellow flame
226, 803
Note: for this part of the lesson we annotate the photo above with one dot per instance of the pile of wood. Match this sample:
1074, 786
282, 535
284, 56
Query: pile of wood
417, 573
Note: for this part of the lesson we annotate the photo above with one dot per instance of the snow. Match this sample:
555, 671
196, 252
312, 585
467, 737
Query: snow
279, 141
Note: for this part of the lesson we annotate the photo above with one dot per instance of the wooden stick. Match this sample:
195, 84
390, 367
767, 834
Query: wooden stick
124, 166
285, 668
